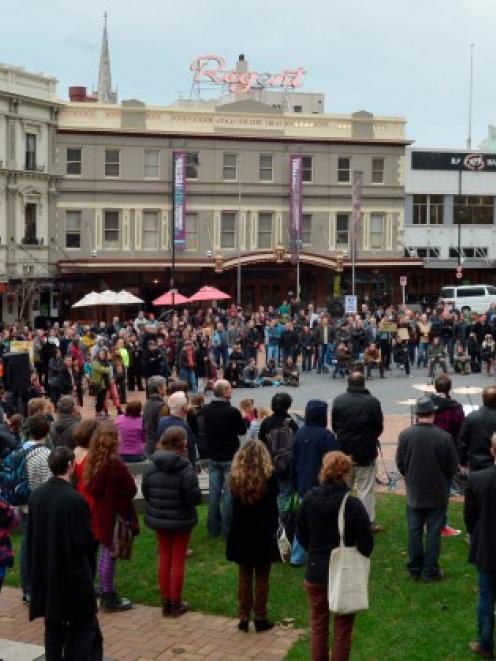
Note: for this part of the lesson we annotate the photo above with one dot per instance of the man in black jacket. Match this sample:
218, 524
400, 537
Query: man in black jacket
476, 432
61, 562
427, 458
157, 388
223, 426
358, 421
480, 505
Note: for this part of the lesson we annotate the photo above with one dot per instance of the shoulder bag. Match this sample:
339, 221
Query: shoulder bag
348, 574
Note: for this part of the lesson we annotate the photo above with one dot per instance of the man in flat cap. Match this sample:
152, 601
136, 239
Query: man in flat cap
427, 459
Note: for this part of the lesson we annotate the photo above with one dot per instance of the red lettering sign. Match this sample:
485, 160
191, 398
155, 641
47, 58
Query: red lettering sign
212, 69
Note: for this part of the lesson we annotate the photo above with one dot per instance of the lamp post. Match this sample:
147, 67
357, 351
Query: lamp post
460, 215
238, 274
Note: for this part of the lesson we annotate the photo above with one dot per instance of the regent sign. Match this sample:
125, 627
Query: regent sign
212, 69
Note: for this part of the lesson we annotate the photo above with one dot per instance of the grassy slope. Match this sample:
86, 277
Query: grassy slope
407, 621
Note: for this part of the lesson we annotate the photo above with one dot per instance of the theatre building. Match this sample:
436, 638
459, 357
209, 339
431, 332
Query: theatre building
450, 218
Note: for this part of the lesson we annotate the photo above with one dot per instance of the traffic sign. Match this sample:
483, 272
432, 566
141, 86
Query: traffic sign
459, 275
403, 280
351, 304
459, 269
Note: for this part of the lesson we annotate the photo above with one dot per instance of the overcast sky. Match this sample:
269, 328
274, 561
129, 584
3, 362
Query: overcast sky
391, 57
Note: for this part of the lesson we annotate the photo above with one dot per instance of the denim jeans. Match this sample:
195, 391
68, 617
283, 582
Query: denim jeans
485, 609
189, 376
221, 352
298, 553
322, 353
424, 562
284, 495
219, 520
306, 360
422, 354
273, 352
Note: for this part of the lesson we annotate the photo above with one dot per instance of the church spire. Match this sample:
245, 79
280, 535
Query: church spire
104, 91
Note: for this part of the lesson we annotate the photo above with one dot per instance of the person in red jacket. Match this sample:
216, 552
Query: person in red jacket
112, 487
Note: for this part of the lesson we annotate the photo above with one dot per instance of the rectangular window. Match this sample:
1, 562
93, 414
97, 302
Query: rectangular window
377, 170
73, 160
436, 209
152, 163
376, 231
230, 167
30, 151
192, 163
191, 231
30, 212
307, 229
307, 168
264, 230
344, 170
342, 230
265, 167
228, 230
112, 163
420, 206
473, 210
73, 229
111, 229
150, 230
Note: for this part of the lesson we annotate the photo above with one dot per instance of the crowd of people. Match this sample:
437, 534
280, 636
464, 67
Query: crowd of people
67, 481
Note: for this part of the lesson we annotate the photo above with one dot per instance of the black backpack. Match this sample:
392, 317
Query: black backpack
280, 444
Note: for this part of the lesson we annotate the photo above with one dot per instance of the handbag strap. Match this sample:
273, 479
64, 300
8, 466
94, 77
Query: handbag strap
341, 519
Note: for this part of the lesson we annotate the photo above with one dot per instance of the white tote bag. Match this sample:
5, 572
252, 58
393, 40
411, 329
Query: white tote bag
348, 575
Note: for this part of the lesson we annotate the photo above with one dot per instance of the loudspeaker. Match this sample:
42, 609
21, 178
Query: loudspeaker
16, 371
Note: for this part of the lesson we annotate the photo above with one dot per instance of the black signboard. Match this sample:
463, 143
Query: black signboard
469, 161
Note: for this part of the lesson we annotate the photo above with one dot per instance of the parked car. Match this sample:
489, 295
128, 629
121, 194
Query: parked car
476, 298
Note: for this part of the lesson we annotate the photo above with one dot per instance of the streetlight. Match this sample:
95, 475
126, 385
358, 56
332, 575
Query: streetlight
238, 284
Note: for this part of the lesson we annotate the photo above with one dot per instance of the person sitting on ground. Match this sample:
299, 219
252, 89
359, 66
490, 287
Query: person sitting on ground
290, 373
231, 374
372, 359
317, 532
251, 537
343, 359
269, 374
436, 354
251, 378
131, 433
68, 418
171, 491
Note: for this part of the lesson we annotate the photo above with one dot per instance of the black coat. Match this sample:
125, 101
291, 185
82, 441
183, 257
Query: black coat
60, 551
252, 535
480, 505
152, 413
275, 421
357, 421
475, 438
223, 426
317, 527
170, 488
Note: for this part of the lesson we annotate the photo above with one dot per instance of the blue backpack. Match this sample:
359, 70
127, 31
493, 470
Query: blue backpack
14, 482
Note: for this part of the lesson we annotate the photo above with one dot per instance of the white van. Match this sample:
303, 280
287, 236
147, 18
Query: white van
477, 298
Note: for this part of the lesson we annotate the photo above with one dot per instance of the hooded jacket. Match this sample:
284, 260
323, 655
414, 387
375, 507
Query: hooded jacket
310, 444
357, 421
317, 527
62, 431
170, 488
449, 415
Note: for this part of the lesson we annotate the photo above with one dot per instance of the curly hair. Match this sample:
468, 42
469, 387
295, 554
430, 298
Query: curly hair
250, 472
103, 450
335, 465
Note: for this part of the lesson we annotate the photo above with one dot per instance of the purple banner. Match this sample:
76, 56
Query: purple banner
179, 198
295, 205
356, 221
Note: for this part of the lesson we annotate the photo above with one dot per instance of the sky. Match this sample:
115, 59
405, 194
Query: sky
391, 57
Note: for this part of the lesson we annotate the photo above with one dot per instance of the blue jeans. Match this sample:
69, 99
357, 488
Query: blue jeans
298, 553
273, 352
424, 562
189, 376
322, 353
221, 352
485, 609
422, 354
284, 495
218, 521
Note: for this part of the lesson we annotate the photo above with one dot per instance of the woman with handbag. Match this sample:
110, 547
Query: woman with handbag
318, 533
252, 538
170, 488
107, 480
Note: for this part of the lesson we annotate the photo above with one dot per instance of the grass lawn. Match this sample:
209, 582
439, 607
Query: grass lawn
407, 621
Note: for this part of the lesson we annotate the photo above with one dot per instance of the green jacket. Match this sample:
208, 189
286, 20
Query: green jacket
98, 372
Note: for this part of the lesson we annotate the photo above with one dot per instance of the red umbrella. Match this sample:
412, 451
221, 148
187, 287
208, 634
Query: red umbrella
209, 294
171, 298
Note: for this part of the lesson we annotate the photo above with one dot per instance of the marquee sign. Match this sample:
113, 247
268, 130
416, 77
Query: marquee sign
212, 69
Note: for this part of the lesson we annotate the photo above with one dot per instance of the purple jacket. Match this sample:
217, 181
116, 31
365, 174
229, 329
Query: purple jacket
131, 434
